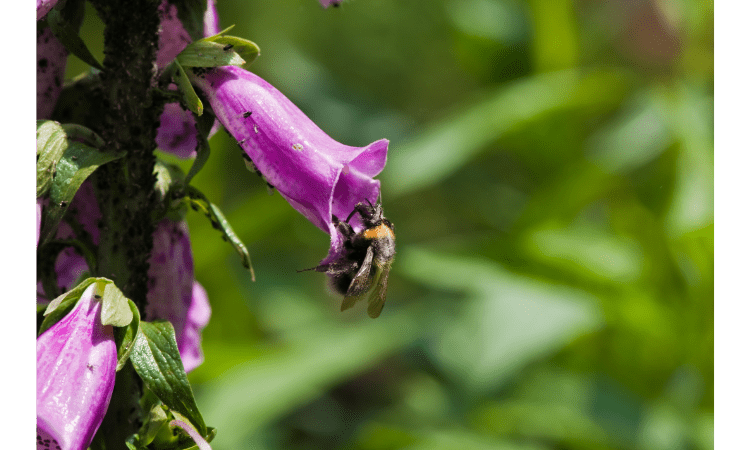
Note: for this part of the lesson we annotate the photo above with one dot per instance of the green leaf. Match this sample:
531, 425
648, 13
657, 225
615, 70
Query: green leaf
52, 139
80, 133
51, 143
194, 103
247, 50
204, 149
64, 27
115, 308
59, 307
76, 293
157, 361
198, 201
125, 336
77, 163
209, 54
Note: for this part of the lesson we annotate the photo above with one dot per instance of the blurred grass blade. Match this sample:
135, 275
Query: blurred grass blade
522, 318
444, 148
259, 391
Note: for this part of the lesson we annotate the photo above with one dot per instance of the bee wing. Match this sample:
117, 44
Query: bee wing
360, 283
377, 296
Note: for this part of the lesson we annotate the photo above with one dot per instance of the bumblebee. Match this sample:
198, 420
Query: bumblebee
362, 270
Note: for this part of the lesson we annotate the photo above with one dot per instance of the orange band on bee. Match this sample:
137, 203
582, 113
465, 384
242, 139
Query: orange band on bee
381, 231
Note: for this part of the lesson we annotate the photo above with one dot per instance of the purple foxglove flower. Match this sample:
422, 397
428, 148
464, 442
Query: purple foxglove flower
327, 3
173, 294
75, 375
51, 57
317, 175
43, 7
177, 133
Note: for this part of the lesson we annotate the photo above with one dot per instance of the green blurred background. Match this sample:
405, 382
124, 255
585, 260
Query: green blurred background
550, 176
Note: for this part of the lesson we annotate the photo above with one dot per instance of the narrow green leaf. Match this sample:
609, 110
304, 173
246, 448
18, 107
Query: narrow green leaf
67, 33
157, 361
115, 308
247, 50
76, 293
51, 143
209, 54
204, 149
198, 201
125, 336
183, 83
77, 163
168, 176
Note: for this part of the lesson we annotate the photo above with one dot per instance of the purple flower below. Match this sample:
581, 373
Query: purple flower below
173, 293
51, 58
317, 175
75, 372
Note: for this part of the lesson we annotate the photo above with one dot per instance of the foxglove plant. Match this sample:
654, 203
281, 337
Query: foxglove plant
107, 208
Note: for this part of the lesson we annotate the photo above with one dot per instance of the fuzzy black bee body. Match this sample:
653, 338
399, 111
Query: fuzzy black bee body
362, 271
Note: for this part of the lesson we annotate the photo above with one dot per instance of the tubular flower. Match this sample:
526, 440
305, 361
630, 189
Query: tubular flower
177, 133
43, 7
75, 375
51, 57
173, 293
317, 175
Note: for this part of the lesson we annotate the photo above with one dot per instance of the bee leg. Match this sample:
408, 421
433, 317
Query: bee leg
344, 228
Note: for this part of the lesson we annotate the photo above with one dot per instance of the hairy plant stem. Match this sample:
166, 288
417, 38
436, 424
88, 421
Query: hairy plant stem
128, 120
